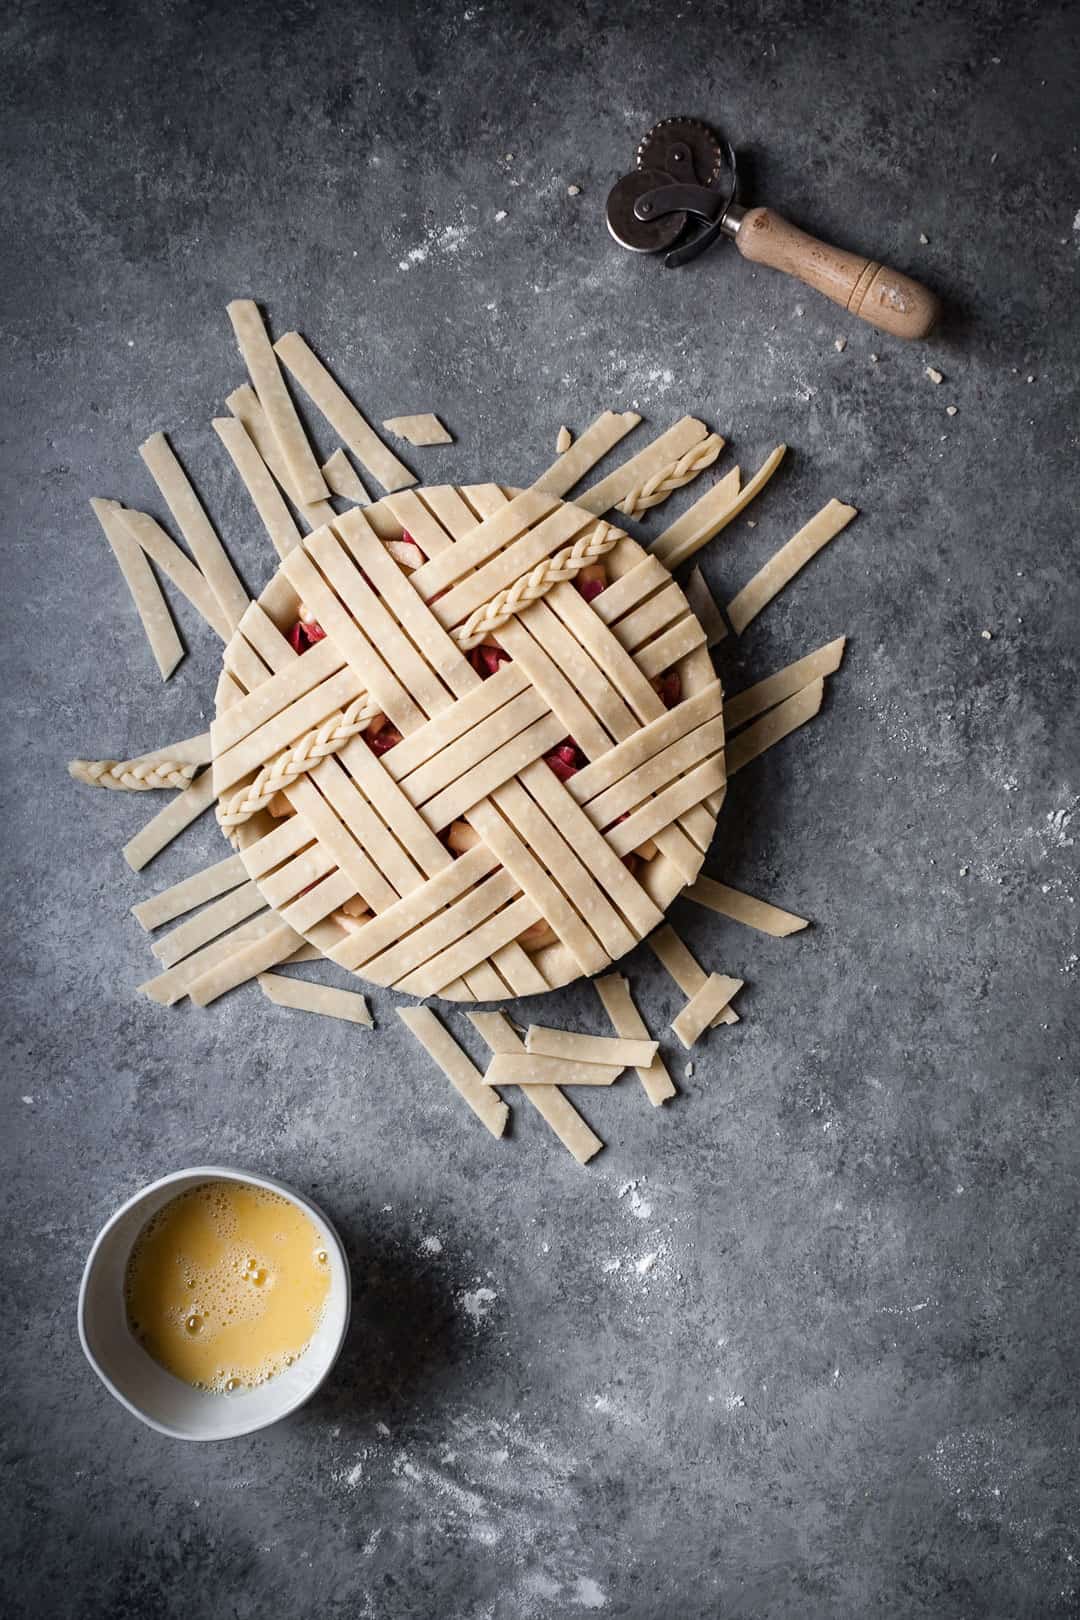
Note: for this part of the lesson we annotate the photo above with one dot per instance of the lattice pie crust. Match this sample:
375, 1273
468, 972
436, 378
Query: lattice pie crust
353, 852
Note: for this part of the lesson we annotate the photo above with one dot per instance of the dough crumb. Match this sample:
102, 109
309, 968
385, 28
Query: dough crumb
950, 410
988, 635
573, 191
1031, 379
934, 375
840, 344
923, 238
500, 216
563, 440
873, 359
798, 309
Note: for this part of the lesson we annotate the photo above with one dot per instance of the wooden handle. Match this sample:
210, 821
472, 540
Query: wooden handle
869, 290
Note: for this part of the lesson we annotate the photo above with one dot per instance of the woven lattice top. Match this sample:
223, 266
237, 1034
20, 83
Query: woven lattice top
456, 819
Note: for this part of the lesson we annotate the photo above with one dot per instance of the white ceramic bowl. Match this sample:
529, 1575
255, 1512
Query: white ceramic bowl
160, 1399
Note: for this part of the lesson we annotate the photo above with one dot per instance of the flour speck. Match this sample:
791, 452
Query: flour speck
478, 1303
431, 1244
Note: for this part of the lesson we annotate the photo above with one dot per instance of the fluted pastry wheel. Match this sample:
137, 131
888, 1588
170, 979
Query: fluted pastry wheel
475, 836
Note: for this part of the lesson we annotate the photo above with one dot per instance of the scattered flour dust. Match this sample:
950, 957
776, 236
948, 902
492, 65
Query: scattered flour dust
431, 1244
639, 1205
477, 1304
442, 240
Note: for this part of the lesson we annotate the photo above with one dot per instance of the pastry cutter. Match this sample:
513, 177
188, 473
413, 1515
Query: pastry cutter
681, 197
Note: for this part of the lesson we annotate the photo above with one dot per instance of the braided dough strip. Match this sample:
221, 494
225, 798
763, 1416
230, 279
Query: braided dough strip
565, 565
510, 567
146, 593
659, 485
128, 775
657, 456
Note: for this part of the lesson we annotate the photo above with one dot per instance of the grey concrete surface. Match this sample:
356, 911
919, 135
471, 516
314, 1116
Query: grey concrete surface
845, 1385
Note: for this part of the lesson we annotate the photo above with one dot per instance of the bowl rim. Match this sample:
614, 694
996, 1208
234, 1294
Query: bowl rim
211, 1172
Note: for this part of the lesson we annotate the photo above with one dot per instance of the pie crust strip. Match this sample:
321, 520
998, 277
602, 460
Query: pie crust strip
224, 914
544, 836
486, 539
195, 526
701, 1010
557, 1110
786, 563
744, 908
293, 681
525, 1069
301, 994
146, 593
705, 607
614, 993
592, 445
343, 479
246, 963
462, 1074
265, 373
766, 694
193, 891
775, 726
689, 975
259, 482
170, 822
244, 404
465, 954
414, 910
420, 430
177, 567
654, 458
172, 985
402, 599
327, 395
717, 508
623, 1051
534, 880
